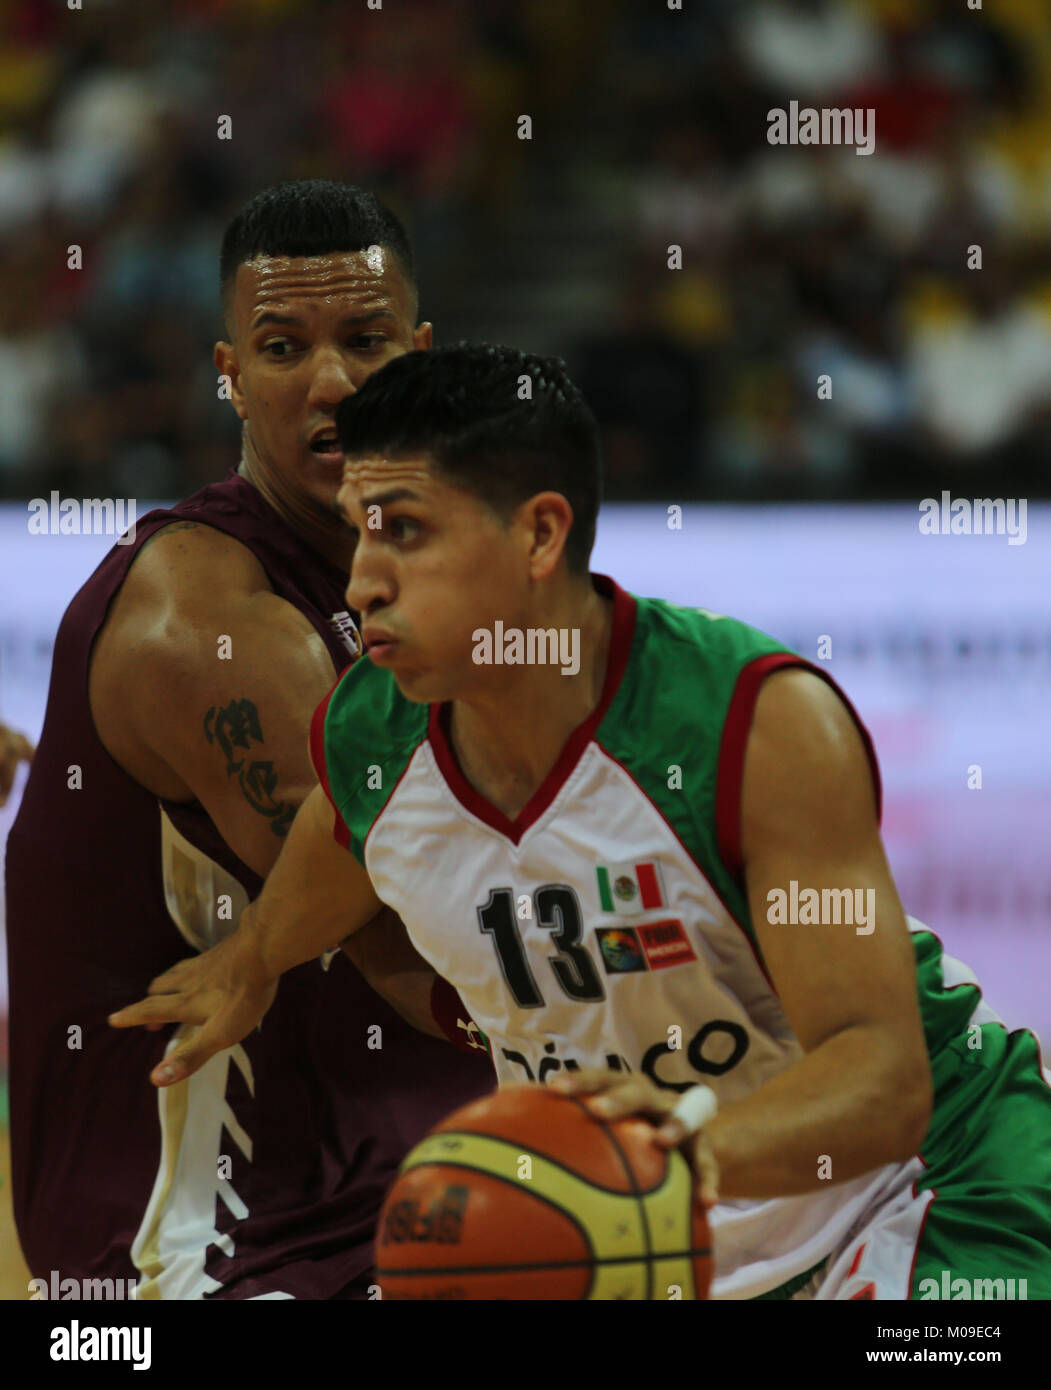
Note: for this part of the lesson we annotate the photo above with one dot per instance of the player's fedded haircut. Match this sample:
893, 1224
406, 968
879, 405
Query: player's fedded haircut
502, 423
310, 217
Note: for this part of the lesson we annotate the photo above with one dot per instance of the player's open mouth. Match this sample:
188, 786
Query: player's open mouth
326, 444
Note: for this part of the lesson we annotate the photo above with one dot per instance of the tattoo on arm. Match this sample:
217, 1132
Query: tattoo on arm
167, 530
235, 726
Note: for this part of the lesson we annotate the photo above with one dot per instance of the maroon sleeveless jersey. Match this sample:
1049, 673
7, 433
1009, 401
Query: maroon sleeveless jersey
262, 1174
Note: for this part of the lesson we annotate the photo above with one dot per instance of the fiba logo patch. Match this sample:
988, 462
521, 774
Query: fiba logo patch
620, 949
648, 946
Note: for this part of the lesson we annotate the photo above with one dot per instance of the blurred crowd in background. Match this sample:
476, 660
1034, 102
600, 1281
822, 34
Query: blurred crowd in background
649, 130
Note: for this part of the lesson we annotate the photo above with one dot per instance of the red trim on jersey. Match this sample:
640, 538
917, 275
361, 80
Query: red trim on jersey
624, 610
317, 754
855, 1262
735, 740
449, 1012
1039, 1058
919, 1234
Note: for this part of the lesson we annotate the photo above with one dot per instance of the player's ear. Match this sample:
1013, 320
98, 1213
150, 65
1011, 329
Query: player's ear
423, 337
226, 364
550, 519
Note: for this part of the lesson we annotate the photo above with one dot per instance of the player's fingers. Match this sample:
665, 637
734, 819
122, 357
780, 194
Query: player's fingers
587, 1081
612, 1095
14, 748
634, 1096
19, 749
707, 1170
168, 1008
177, 978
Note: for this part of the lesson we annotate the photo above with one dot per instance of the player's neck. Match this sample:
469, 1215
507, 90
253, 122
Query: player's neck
508, 740
323, 533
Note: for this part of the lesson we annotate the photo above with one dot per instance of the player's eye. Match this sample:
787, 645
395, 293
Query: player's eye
403, 528
368, 342
277, 343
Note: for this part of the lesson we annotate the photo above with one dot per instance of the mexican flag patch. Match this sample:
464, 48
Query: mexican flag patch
629, 887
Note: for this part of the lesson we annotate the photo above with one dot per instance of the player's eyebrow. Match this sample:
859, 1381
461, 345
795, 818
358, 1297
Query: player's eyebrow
393, 494
381, 499
292, 321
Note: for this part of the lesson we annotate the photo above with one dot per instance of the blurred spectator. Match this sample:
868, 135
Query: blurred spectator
161, 252
982, 378
768, 443
41, 366
808, 49
911, 101
683, 197
645, 390
397, 113
872, 401
649, 131
103, 123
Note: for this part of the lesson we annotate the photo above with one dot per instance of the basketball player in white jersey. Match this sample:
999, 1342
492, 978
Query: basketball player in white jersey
606, 820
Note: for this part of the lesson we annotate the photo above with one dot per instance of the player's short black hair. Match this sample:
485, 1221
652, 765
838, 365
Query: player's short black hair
310, 217
502, 423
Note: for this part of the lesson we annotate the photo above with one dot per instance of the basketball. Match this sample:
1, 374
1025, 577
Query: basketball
526, 1195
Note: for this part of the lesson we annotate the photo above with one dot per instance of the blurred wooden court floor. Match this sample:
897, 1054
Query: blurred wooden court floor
14, 1276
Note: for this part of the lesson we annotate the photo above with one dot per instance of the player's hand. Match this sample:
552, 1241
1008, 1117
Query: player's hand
612, 1095
14, 748
224, 991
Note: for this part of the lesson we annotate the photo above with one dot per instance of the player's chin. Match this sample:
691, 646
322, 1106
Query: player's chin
323, 472
409, 678
423, 685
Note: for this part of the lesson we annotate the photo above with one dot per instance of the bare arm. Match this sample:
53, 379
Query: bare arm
861, 1096
862, 1093
384, 955
203, 683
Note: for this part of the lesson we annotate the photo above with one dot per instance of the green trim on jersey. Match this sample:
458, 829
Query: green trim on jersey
669, 712
369, 725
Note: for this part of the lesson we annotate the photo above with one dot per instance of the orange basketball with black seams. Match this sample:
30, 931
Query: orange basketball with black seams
526, 1194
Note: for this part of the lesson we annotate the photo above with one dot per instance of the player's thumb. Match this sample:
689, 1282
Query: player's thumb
188, 1056
174, 1068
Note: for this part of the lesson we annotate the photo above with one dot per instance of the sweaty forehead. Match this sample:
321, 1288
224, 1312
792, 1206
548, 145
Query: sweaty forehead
364, 477
345, 282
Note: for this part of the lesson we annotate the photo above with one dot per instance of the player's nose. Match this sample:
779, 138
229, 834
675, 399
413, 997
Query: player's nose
371, 584
332, 380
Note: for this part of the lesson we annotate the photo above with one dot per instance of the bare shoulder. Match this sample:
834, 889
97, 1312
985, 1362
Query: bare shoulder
184, 573
805, 763
190, 588
798, 714
190, 560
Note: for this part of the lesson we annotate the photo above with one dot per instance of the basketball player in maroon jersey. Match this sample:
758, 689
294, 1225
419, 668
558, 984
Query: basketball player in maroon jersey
173, 758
